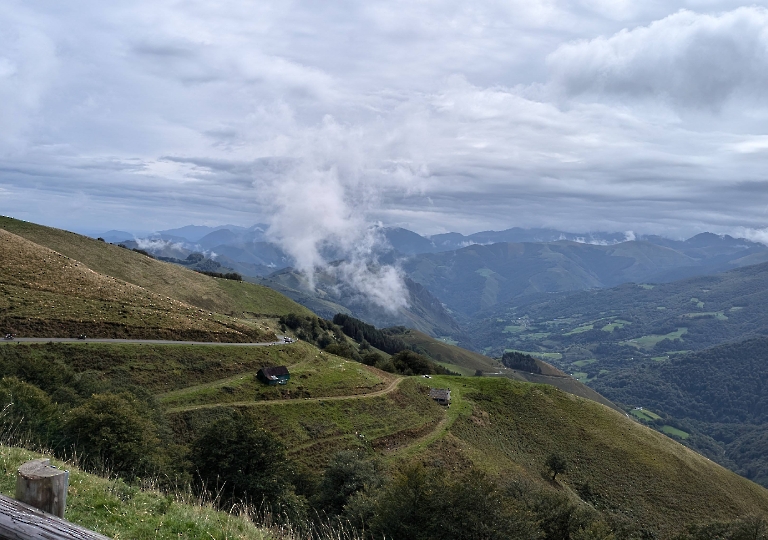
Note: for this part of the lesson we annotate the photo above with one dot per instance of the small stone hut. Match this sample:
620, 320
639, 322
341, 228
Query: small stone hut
441, 395
274, 375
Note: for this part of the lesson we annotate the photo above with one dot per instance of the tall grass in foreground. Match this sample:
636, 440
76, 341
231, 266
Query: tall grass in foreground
117, 509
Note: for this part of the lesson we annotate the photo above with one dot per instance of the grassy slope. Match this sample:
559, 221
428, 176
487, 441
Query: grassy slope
117, 510
313, 375
467, 362
635, 471
314, 430
219, 295
509, 428
503, 426
48, 294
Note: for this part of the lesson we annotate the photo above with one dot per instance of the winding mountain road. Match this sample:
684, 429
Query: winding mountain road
280, 341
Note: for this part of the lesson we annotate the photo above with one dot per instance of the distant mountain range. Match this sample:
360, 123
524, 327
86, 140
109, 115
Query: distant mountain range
465, 275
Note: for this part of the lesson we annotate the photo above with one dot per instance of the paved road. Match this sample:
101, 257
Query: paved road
140, 342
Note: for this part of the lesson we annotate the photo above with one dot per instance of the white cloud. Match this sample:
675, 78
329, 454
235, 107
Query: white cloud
755, 235
688, 58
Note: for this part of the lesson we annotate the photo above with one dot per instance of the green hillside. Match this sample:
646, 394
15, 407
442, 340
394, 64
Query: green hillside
46, 294
223, 296
506, 428
713, 399
340, 438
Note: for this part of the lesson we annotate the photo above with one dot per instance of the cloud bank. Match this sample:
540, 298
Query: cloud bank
691, 60
326, 120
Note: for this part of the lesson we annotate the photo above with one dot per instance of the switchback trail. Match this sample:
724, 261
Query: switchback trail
391, 388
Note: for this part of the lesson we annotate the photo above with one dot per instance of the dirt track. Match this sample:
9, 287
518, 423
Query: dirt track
392, 386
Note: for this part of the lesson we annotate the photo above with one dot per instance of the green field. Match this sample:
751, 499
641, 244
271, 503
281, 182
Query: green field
618, 323
535, 354
644, 414
719, 315
679, 433
582, 363
647, 342
512, 329
580, 376
580, 329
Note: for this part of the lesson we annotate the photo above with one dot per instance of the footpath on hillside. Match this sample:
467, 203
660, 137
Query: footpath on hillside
390, 388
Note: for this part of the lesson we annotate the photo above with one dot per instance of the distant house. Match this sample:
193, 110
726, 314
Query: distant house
441, 395
274, 375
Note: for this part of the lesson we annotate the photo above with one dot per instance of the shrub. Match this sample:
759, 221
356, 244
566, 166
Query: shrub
115, 432
236, 457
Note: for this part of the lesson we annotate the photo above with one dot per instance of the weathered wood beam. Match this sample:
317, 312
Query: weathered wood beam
19, 521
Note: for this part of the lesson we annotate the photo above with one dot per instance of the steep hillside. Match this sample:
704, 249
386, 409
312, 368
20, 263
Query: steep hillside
617, 469
46, 294
614, 454
221, 296
330, 296
716, 395
635, 475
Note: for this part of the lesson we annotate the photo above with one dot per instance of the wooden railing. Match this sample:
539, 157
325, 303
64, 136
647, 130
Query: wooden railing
44, 487
19, 521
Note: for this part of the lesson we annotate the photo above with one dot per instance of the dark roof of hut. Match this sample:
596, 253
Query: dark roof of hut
277, 371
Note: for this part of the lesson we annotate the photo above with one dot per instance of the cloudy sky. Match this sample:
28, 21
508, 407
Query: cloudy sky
326, 116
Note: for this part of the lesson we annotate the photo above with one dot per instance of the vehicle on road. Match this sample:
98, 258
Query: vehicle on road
8, 337
287, 340
82, 336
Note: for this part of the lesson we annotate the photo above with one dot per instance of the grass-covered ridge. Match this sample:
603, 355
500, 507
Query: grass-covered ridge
517, 425
238, 299
45, 293
50, 295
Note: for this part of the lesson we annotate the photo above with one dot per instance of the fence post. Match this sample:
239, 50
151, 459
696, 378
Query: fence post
43, 486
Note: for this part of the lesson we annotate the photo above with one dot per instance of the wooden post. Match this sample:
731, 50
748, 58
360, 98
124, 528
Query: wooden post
43, 486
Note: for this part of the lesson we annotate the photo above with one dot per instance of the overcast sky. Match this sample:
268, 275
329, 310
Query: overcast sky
583, 115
